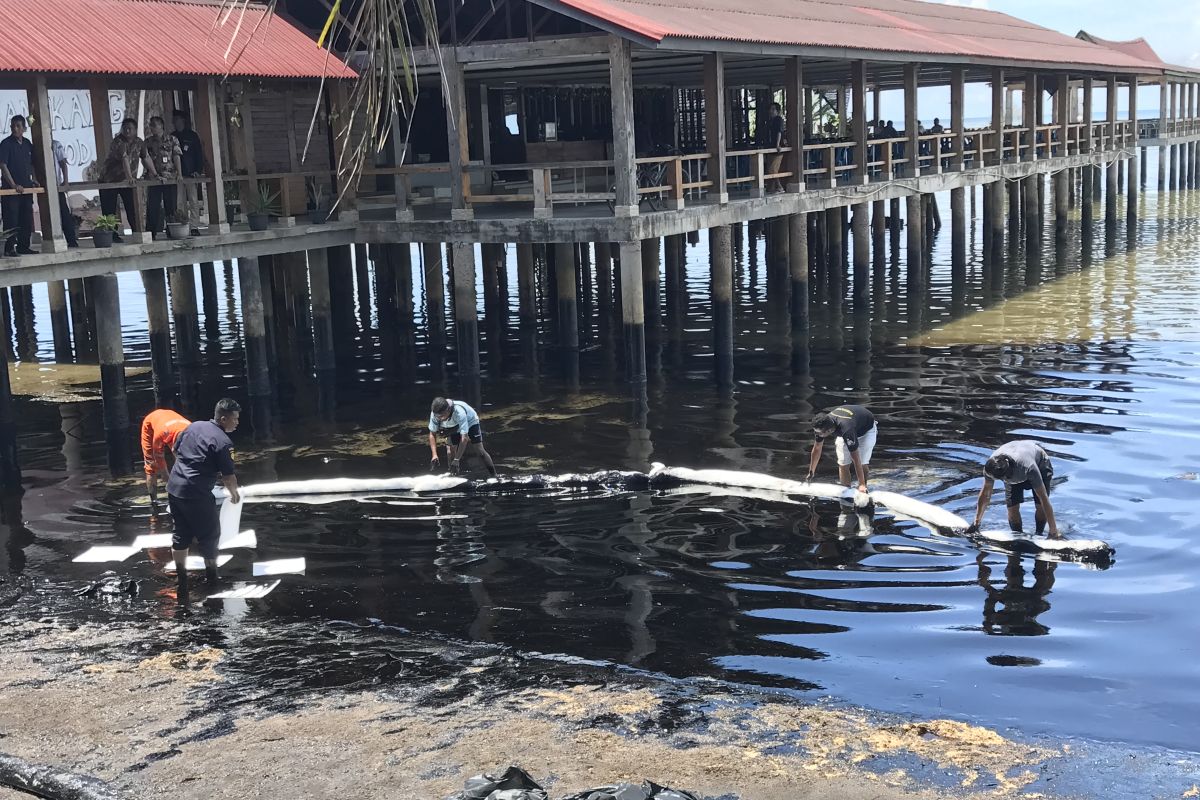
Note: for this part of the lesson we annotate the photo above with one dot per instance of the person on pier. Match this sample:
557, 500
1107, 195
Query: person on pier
460, 423
120, 166
164, 152
1020, 465
16, 167
160, 429
772, 137
203, 455
855, 429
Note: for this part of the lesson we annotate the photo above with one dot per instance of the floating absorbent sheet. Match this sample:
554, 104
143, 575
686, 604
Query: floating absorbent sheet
196, 563
1055, 549
149, 541
247, 539
348, 486
662, 475
245, 591
280, 566
941, 520
106, 553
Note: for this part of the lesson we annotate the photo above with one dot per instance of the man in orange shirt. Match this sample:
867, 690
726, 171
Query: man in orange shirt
159, 429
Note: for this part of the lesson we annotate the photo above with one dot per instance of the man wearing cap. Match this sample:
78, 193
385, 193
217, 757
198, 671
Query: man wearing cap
459, 422
855, 429
1020, 465
203, 455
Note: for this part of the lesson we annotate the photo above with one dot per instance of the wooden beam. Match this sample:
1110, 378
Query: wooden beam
715, 124
1089, 141
958, 89
620, 68
858, 89
1029, 104
1111, 103
208, 126
912, 146
1062, 110
794, 96
456, 133
101, 117
53, 240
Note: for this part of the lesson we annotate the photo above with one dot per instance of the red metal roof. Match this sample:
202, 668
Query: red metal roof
1138, 48
900, 26
155, 37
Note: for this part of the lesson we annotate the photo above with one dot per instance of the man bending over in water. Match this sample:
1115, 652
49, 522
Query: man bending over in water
460, 423
1020, 465
855, 429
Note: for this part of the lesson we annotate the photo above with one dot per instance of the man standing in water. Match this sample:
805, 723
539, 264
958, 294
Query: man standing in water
460, 423
855, 429
203, 454
1020, 465
160, 429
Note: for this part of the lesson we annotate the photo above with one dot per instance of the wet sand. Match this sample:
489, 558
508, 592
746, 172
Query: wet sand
156, 711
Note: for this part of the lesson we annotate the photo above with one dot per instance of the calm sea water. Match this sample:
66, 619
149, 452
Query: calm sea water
1092, 351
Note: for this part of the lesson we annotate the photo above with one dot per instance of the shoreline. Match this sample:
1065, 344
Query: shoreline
212, 707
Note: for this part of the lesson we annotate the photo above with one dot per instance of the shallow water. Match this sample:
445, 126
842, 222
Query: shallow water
1093, 355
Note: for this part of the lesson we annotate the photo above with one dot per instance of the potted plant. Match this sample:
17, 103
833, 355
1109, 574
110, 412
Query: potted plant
318, 211
104, 228
262, 208
179, 225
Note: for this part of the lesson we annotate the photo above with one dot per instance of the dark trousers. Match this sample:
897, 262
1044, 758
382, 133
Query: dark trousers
160, 199
18, 216
108, 204
68, 220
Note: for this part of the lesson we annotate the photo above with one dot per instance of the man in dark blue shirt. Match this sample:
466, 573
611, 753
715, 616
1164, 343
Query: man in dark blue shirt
203, 455
855, 431
16, 168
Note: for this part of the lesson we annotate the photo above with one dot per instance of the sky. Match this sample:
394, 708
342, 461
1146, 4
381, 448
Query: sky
1171, 26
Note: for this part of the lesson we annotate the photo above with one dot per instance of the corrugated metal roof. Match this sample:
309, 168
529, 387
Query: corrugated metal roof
1138, 48
155, 37
899, 26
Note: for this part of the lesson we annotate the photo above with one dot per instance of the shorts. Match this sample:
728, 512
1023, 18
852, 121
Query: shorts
866, 444
1015, 493
474, 433
196, 520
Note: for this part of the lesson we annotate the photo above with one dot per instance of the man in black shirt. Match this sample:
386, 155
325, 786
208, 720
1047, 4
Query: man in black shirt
191, 162
203, 454
16, 167
855, 429
773, 137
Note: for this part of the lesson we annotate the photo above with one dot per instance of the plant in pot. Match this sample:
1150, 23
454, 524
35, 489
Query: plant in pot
264, 206
318, 203
104, 228
179, 225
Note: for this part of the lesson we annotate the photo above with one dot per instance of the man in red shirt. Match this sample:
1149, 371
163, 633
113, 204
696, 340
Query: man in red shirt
159, 429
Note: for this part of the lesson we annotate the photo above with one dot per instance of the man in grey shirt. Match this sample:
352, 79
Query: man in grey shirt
1020, 465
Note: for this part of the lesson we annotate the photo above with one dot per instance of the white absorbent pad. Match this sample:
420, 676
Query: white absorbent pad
245, 591
196, 563
230, 519
151, 540
758, 480
939, 519
417, 484
247, 539
106, 553
280, 566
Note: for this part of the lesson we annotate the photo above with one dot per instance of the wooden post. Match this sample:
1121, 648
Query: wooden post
714, 124
633, 311
958, 89
794, 96
103, 290
858, 74
208, 126
466, 315
675, 199
912, 146
53, 240
1029, 106
456, 133
720, 252
998, 119
1088, 142
620, 69
1062, 110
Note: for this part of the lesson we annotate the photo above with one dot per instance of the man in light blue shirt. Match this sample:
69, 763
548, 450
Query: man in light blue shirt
460, 423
